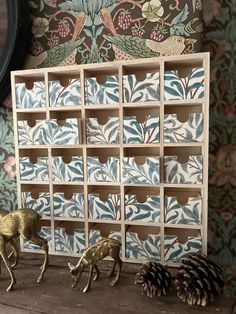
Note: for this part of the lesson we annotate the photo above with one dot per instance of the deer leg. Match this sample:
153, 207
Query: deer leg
15, 251
112, 270
119, 262
96, 276
86, 289
7, 263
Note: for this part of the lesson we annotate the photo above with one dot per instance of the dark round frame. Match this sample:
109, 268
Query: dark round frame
17, 42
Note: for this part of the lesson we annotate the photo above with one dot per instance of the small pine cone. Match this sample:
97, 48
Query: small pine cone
199, 280
154, 279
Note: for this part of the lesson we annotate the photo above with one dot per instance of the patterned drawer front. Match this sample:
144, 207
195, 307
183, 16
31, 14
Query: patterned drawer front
148, 211
188, 214
30, 98
69, 95
37, 171
138, 249
41, 204
107, 133
145, 132
63, 207
105, 210
95, 236
189, 173
79, 241
63, 241
103, 172
45, 233
147, 173
107, 93
189, 131
67, 172
146, 90
174, 250
190, 87
68, 133
31, 135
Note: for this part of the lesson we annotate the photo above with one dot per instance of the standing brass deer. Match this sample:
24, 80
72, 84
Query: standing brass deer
24, 222
105, 247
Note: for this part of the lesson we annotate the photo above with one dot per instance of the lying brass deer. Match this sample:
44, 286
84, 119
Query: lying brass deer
24, 222
105, 247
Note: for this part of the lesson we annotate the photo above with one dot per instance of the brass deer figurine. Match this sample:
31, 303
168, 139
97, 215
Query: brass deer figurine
94, 253
24, 222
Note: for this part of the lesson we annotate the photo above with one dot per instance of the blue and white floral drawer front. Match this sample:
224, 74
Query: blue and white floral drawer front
107, 93
141, 91
143, 250
45, 233
103, 172
63, 241
41, 204
148, 211
109, 209
30, 171
190, 87
95, 236
31, 135
67, 172
107, 133
69, 95
187, 173
174, 250
144, 132
30, 98
146, 173
188, 214
63, 207
79, 241
189, 131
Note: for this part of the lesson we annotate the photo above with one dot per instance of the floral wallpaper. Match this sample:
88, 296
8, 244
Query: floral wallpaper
83, 31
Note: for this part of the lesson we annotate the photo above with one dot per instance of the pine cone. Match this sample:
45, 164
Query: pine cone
199, 280
154, 278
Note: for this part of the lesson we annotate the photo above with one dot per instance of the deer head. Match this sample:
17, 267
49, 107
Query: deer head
76, 271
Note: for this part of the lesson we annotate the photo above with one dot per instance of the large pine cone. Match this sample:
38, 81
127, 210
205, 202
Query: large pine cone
154, 279
199, 280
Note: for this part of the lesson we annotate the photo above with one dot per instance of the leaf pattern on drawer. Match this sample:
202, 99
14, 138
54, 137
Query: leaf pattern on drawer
145, 132
45, 233
108, 133
79, 241
148, 211
41, 205
138, 249
188, 214
103, 172
63, 207
189, 173
69, 95
190, 87
67, 172
30, 171
174, 250
30, 98
95, 236
63, 241
189, 131
106, 210
31, 135
148, 173
107, 93
146, 90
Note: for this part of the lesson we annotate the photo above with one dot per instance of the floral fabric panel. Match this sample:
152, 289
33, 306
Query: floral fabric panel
63, 207
41, 204
37, 171
67, 172
63, 241
174, 250
190, 87
106, 210
145, 132
45, 233
147, 173
148, 211
189, 173
30, 98
103, 172
95, 236
146, 90
69, 95
138, 249
31, 135
107, 93
188, 214
79, 241
189, 131
107, 133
